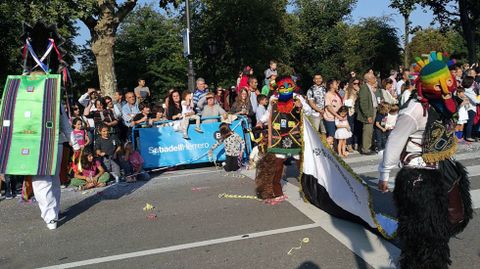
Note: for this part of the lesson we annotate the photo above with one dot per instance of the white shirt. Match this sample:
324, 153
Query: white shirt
410, 124
405, 96
307, 110
260, 111
472, 98
398, 89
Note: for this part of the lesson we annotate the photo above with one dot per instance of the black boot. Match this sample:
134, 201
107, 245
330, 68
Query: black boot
8, 188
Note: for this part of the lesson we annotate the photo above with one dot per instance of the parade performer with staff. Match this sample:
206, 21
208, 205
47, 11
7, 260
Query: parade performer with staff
34, 123
432, 189
284, 119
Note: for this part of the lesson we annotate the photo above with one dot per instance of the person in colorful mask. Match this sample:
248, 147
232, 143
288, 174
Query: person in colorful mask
431, 185
284, 121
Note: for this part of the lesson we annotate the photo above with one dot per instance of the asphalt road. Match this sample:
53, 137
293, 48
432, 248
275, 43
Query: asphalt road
194, 228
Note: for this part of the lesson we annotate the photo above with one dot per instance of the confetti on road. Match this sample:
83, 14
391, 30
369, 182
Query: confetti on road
152, 216
148, 207
238, 196
199, 188
304, 241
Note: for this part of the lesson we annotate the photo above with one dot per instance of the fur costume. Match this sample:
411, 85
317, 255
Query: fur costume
433, 200
284, 139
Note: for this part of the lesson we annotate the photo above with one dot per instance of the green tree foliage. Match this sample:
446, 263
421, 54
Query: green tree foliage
158, 56
427, 40
372, 44
405, 7
243, 32
320, 37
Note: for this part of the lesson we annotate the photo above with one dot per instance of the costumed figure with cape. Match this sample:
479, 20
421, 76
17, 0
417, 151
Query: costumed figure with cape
431, 189
33, 123
284, 119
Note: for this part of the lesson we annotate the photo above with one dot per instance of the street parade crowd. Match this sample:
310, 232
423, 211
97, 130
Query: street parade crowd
356, 113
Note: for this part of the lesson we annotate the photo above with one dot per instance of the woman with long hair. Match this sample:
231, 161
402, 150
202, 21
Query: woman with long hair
174, 108
242, 105
351, 96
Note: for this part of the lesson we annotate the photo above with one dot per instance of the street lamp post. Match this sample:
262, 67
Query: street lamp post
191, 73
212, 48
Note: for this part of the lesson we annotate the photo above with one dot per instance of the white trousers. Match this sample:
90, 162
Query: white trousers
47, 191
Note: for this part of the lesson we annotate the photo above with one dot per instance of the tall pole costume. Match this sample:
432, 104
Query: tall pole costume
34, 124
284, 137
431, 189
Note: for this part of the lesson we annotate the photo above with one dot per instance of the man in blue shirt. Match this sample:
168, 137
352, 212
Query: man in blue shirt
199, 93
130, 109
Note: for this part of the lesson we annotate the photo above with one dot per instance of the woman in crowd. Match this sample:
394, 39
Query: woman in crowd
102, 116
351, 96
333, 102
234, 147
212, 109
242, 105
387, 88
221, 97
174, 108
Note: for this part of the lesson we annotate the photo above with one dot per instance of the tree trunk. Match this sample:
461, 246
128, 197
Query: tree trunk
468, 30
102, 48
406, 51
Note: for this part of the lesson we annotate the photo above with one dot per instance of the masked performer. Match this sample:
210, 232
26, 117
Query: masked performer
284, 121
34, 123
432, 189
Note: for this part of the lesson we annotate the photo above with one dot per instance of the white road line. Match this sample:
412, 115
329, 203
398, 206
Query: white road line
137, 254
475, 198
373, 249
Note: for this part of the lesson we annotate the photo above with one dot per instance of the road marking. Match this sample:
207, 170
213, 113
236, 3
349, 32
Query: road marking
475, 198
373, 249
187, 174
137, 254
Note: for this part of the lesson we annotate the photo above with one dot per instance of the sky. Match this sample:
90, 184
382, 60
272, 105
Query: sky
363, 9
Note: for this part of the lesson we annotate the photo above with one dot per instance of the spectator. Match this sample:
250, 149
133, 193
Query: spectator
130, 109
467, 84
242, 105
79, 137
269, 88
174, 110
145, 116
142, 92
463, 107
253, 92
212, 109
221, 98
316, 100
78, 113
405, 75
343, 131
271, 71
159, 112
10, 185
262, 107
333, 102
387, 90
86, 99
247, 72
199, 93
351, 96
188, 114
407, 89
393, 78
380, 129
391, 118
89, 173
366, 111
234, 147
458, 74
165, 104
118, 102
102, 116
107, 148
136, 161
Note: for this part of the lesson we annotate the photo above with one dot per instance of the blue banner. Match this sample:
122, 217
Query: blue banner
162, 146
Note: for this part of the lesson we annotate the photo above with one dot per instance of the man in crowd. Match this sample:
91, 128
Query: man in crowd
405, 75
316, 100
130, 109
141, 91
199, 93
367, 109
254, 92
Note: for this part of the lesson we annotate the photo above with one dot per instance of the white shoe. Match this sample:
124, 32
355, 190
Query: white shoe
52, 225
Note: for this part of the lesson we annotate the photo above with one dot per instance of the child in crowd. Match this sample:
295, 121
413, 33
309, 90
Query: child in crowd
79, 138
136, 161
89, 173
463, 107
262, 101
188, 114
107, 148
145, 115
234, 147
343, 131
391, 118
380, 130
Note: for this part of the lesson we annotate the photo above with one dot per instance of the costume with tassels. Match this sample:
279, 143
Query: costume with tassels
431, 189
33, 123
284, 137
